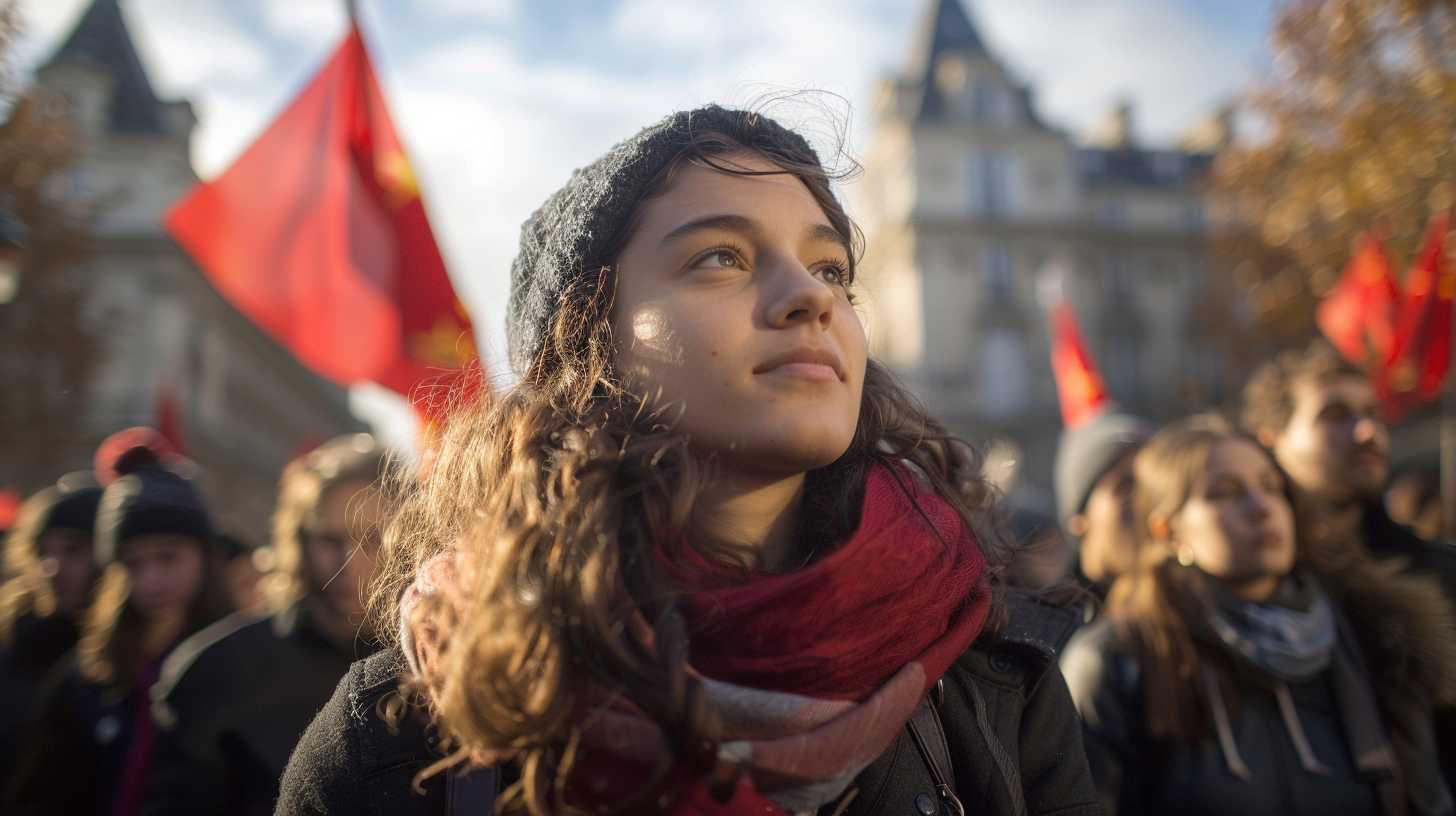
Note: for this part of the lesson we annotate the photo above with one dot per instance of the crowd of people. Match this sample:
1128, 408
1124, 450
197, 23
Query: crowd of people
706, 556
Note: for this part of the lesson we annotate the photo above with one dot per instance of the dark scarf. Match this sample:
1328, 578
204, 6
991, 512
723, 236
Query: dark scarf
810, 675
1291, 636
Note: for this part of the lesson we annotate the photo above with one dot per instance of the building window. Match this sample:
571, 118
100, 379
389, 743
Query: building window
996, 271
1193, 216
990, 183
983, 103
1003, 377
1112, 211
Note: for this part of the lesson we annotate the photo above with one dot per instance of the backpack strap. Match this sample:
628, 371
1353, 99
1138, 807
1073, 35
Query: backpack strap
928, 735
471, 792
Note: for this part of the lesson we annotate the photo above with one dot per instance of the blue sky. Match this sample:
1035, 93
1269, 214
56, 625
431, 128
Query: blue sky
499, 99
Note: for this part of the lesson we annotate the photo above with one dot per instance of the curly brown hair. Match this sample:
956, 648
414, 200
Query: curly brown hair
305, 481
1268, 398
555, 495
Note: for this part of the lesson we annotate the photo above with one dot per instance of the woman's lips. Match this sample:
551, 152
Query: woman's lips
809, 371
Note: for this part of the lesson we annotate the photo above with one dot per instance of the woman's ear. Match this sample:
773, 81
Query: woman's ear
1160, 526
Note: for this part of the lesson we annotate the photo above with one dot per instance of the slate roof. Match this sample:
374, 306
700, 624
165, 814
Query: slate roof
101, 38
1136, 167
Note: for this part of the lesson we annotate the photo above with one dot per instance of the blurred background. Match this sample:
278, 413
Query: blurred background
1190, 176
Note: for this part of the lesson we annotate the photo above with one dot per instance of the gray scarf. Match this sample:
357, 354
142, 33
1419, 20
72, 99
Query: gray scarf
1291, 636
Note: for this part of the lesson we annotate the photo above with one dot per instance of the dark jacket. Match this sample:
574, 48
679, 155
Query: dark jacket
1011, 730
36, 645
1136, 774
231, 703
1387, 539
74, 753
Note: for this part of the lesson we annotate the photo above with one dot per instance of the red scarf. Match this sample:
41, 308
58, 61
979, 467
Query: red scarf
812, 674
907, 585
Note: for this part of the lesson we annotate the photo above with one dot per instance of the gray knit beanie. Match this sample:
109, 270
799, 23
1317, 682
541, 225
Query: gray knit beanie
1087, 452
577, 226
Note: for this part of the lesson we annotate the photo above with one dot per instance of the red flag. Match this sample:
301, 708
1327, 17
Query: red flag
1358, 315
9, 508
1416, 366
1079, 387
318, 234
169, 419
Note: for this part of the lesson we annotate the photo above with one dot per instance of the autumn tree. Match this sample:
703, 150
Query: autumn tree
1355, 128
47, 354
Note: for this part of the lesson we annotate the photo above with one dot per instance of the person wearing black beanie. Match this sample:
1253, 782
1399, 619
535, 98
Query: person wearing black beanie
90, 747
48, 555
706, 556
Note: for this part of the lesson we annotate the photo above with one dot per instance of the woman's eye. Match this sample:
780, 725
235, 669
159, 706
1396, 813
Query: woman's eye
835, 275
719, 259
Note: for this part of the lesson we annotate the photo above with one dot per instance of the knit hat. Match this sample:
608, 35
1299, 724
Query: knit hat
574, 230
147, 498
74, 506
1087, 452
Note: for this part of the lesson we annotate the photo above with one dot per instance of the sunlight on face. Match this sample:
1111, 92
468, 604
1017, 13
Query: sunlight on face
733, 305
1237, 524
1336, 444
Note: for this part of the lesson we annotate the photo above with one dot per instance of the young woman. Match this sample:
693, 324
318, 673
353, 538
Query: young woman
48, 556
1250, 666
705, 557
281, 665
91, 745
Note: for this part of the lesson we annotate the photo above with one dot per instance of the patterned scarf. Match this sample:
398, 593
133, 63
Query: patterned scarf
810, 675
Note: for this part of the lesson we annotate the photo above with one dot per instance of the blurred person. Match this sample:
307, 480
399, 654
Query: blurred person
234, 698
1320, 416
90, 747
1044, 558
704, 554
1245, 668
49, 556
1414, 500
240, 572
1093, 479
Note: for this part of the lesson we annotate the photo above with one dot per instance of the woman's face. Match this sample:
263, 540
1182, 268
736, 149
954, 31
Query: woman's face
1237, 524
66, 559
165, 571
733, 307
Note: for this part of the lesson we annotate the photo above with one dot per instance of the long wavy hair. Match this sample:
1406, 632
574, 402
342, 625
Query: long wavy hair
27, 590
556, 494
1158, 603
305, 482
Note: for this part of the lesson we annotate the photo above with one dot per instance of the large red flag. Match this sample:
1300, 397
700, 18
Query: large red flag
1358, 315
318, 234
1416, 366
1080, 388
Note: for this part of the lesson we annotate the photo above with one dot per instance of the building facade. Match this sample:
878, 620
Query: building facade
976, 210
244, 404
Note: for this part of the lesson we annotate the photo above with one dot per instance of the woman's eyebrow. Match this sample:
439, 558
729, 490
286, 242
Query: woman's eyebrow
731, 223
824, 232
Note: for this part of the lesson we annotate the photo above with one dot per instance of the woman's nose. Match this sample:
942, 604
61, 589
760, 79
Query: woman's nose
802, 297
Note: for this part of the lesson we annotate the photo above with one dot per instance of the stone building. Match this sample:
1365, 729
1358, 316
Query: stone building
245, 404
970, 200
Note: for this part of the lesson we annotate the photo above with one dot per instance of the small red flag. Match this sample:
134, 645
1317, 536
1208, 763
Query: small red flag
1358, 315
1416, 366
9, 508
1080, 388
169, 419
318, 234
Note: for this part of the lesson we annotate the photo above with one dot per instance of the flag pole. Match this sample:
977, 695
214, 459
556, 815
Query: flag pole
352, 7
